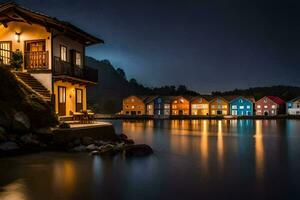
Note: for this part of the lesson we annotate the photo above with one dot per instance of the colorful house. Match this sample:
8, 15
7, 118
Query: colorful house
53, 54
269, 106
149, 102
242, 106
293, 106
162, 107
134, 105
180, 105
200, 106
219, 106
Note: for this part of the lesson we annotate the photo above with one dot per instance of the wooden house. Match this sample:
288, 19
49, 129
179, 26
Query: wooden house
53, 54
200, 105
134, 105
219, 106
180, 105
162, 107
242, 106
269, 106
293, 106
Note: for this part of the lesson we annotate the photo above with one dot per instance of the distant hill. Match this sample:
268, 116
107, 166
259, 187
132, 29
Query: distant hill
107, 95
285, 92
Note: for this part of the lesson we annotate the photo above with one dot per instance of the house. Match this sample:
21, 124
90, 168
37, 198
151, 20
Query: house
180, 105
162, 107
269, 106
293, 106
200, 106
134, 105
242, 106
149, 102
53, 54
219, 106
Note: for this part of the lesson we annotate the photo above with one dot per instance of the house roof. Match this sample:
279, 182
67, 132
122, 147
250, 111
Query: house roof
11, 11
250, 98
294, 99
277, 100
206, 97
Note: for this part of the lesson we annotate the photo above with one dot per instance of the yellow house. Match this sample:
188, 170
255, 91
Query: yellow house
199, 106
219, 106
180, 106
53, 54
134, 105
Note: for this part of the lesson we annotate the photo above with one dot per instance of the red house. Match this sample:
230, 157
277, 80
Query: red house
269, 106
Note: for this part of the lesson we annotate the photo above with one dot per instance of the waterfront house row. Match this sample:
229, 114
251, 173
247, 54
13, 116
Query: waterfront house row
53, 54
165, 106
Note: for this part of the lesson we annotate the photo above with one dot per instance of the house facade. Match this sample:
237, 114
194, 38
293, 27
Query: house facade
53, 54
219, 106
199, 106
241, 106
269, 106
180, 106
162, 107
293, 106
134, 105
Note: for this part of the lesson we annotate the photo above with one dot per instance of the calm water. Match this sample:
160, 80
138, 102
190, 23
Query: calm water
194, 159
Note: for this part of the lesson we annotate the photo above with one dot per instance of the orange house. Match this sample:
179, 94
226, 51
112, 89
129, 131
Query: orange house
134, 105
219, 106
199, 106
180, 106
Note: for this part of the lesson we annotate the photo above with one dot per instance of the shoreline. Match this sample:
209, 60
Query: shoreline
228, 117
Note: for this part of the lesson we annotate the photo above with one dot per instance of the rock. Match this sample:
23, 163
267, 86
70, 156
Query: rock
80, 148
95, 153
91, 147
43, 131
29, 139
87, 141
129, 141
119, 147
8, 146
123, 136
4, 120
21, 123
76, 142
64, 125
138, 150
107, 150
2, 135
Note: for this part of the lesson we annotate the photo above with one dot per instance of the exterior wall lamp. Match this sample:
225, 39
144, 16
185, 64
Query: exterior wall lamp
17, 36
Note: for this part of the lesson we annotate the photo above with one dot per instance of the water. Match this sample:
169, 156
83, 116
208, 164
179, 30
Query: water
194, 159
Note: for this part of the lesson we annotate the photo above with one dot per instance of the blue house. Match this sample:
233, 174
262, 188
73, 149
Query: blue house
162, 107
242, 106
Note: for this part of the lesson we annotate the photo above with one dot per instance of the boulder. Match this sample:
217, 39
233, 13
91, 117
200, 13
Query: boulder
9, 146
122, 136
87, 141
119, 147
43, 131
91, 147
128, 141
138, 150
21, 123
76, 142
80, 148
107, 150
2, 135
29, 139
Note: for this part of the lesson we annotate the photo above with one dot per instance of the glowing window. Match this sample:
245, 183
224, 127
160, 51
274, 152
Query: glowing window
234, 107
258, 106
63, 53
273, 106
78, 59
242, 107
265, 106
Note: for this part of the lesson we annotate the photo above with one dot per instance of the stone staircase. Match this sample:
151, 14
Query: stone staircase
34, 84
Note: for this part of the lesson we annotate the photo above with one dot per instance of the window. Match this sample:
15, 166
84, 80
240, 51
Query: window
78, 96
242, 107
224, 106
248, 107
132, 100
78, 59
63, 53
265, 106
273, 107
5, 54
167, 106
234, 107
258, 106
132, 107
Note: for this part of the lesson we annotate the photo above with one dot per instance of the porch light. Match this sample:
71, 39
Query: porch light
17, 36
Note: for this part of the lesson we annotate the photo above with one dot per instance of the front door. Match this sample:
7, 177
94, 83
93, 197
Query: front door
79, 99
35, 54
61, 101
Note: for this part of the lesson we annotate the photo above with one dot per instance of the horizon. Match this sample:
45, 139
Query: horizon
251, 43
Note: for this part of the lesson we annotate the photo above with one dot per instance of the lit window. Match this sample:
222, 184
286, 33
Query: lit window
234, 107
265, 106
181, 100
63, 53
258, 106
167, 106
132, 107
132, 100
242, 107
273, 106
78, 59
224, 106
248, 107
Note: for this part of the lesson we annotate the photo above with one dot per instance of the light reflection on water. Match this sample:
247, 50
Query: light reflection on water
243, 159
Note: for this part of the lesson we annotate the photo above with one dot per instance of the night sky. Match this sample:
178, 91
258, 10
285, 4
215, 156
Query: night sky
207, 45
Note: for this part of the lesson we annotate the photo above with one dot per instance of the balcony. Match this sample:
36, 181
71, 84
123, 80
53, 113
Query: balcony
67, 69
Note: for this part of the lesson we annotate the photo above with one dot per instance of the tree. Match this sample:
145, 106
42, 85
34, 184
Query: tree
121, 72
133, 81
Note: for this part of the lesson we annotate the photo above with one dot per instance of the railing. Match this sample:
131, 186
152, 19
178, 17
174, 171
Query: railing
65, 68
36, 60
5, 56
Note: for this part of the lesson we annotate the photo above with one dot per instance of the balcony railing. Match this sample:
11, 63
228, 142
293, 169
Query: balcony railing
36, 60
65, 68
